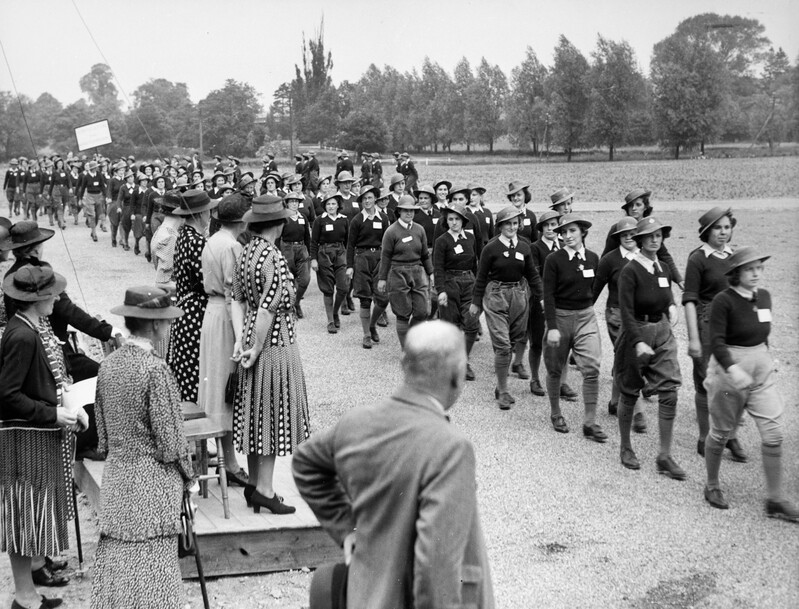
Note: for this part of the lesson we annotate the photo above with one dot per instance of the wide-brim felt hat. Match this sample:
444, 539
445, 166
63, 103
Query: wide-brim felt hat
447, 183
195, 201
546, 217
743, 256
330, 197
573, 218
147, 302
515, 187
33, 283
344, 176
89, 165
456, 208
294, 179
627, 223
648, 225
636, 193
6, 223
231, 208
458, 189
246, 179
407, 202
507, 213
328, 588
366, 190
426, 189
293, 196
559, 196
709, 218
219, 174
23, 234
266, 208
273, 175
396, 179
476, 186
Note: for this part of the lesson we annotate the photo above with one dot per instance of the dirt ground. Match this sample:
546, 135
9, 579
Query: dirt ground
566, 524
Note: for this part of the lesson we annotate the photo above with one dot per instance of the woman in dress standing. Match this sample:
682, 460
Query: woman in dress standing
147, 467
184, 341
270, 410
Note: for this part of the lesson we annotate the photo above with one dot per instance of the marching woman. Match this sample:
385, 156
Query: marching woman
396, 187
329, 258
125, 203
442, 188
74, 178
646, 348
306, 205
519, 196
318, 201
483, 214
184, 340
60, 192
740, 376
570, 322
455, 257
363, 263
295, 243
405, 269
138, 210
706, 276
505, 273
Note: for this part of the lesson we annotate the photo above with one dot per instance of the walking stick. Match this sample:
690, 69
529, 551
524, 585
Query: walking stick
188, 513
77, 523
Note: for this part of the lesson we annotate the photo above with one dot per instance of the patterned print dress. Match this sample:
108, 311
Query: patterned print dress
184, 338
140, 427
270, 412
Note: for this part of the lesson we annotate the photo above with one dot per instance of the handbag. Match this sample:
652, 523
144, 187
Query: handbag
231, 386
186, 537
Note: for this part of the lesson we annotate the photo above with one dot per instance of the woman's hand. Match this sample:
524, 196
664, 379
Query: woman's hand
249, 357
553, 338
314, 265
673, 315
695, 348
66, 419
83, 420
381, 286
349, 547
643, 351
350, 271
442, 299
237, 351
474, 310
739, 377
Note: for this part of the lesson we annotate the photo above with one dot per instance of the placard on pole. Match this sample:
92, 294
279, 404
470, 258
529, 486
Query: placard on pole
93, 135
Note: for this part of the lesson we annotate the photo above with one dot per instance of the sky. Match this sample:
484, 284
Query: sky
202, 42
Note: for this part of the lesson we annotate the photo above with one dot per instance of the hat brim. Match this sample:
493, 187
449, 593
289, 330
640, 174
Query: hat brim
561, 200
8, 244
665, 230
646, 193
10, 290
527, 195
447, 211
169, 312
190, 212
252, 216
582, 223
713, 220
746, 261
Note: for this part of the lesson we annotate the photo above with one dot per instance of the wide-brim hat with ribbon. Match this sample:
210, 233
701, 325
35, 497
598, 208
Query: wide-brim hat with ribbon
476, 186
546, 217
23, 234
231, 208
366, 190
709, 218
195, 202
328, 177
743, 256
344, 176
456, 208
171, 201
330, 197
266, 208
573, 218
128, 174
407, 202
328, 588
647, 226
627, 223
273, 175
515, 187
446, 183
464, 190
91, 165
147, 302
637, 193
33, 283
425, 189
559, 196
507, 213
396, 179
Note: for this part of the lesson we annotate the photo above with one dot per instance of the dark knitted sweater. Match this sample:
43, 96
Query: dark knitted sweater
568, 284
734, 320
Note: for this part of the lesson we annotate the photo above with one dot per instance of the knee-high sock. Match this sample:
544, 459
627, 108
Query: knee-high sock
501, 365
772, 466
625, 413
667, 408
340, 296
590, 395
377, 311
714, 448
553, 391
364, 314
518, 352
402, 330
329, 308
702, 416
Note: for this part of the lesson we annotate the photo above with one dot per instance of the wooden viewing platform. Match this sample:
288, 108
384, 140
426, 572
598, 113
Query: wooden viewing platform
247, 542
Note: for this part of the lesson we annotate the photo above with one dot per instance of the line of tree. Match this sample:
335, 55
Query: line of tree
715, 79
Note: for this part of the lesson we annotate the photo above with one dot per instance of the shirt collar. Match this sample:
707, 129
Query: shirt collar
365, 215
506, 242
648, 264
457, 236
709, 251
405, 226
747, 294
548, 242
572, 252
629, 255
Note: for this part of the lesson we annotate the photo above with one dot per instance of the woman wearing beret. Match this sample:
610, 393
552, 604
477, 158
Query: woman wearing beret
706, 276
148, 464
364, 244
329, 258
270, 409
184, 340
36, 447
505, 273
570, 322
646, 348
740, 376
295, 243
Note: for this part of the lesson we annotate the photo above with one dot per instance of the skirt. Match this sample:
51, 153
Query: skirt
184, 344
35, 490
137, 574
216, 348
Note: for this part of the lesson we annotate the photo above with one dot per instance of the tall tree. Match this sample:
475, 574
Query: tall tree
313, 90
228, 116
279, 120
63, 126
166, 113
463, 79
568, 86
363, 130
433, 101
486, 104
617, 90
99, 87
14, 139
527, 104
40, 118
772, 105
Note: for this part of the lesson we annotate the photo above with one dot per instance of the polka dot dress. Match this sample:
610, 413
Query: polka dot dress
184, 340
270, 413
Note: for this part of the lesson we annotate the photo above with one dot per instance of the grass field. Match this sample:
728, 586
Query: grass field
566, 524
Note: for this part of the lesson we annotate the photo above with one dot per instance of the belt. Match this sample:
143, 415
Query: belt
333, 244
507, 284
367, 249
453, 272
653, 318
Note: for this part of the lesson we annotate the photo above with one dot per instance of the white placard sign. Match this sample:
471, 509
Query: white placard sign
93, 135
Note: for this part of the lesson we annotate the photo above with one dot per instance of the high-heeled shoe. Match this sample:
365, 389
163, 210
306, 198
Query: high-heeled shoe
274, 504
249, 489
238, 478
47, 603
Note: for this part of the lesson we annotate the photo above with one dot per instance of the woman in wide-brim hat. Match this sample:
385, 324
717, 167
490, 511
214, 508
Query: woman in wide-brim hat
306, 203
35, 435
505, 273
646, 350
184, 342
442, 188
25, 233
706, 276
141, 434
740, 377
270, 409
163, 242
519, 196
477, 206
295, 245
329, 258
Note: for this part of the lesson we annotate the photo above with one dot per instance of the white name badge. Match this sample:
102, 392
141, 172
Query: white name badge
408, 239
355, 205
763, 315
526, 222
458, 249
377, 225
588, 272
663, 282
301, 220
328, 227
519, 256
468, 230
435, 220
488, 220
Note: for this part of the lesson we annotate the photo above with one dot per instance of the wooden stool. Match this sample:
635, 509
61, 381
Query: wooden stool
198, 431
191, 411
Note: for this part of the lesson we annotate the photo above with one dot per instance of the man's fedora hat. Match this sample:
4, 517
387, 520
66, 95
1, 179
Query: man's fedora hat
743, 256
33, 283
23, 234
195, 202
266, 208
147, 302
329, 587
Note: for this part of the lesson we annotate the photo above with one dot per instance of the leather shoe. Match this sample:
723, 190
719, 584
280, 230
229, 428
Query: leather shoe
332, 328
715, 497
367, 342
496, 395
518, 370
668, 467
236, 479
628, 459
57, 564
559, 424
47, 603
783, 509
345, 310
43, 576
505, 400
374, 335
274, 504
469, 372
737, 451
567, 393
639, 422
536, 388
594, 432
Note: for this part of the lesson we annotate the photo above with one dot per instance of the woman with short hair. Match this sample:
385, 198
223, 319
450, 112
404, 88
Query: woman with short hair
329, 259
